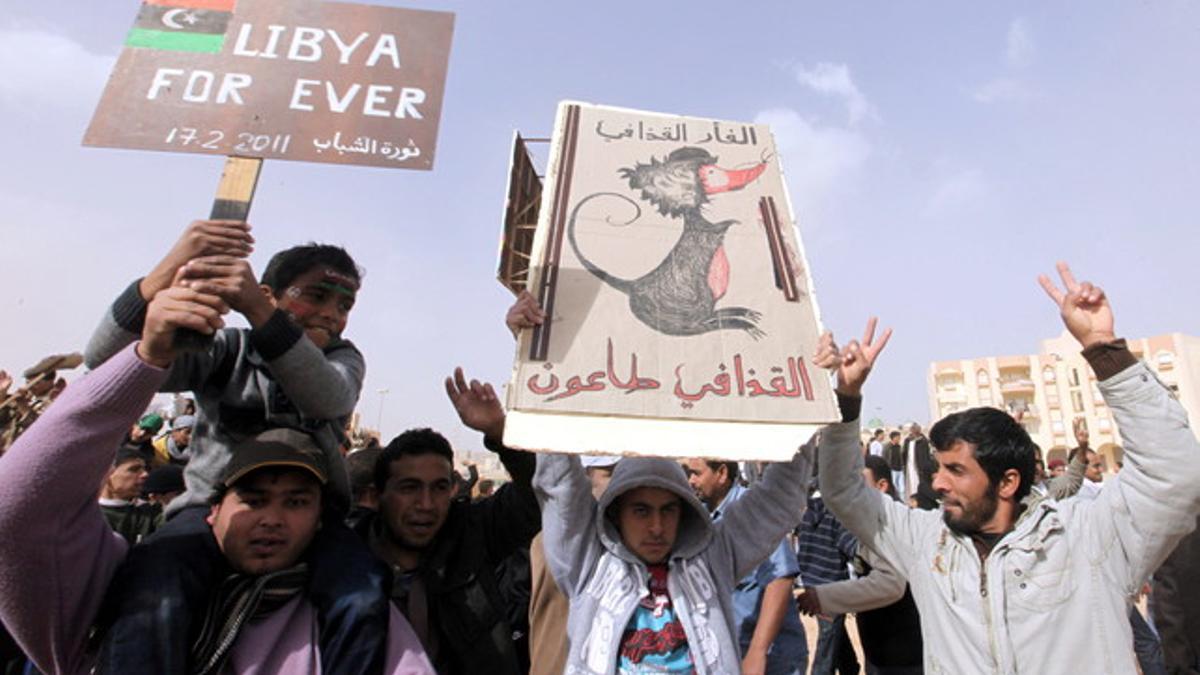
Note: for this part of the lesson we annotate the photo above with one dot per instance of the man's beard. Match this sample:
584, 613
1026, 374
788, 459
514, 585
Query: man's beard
975, 515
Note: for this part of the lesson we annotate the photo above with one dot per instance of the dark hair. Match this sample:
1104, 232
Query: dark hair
894, 434
128, 453
731, 469
413, 442
285, 266
878, 432
1000, 443
361, 466
880, 470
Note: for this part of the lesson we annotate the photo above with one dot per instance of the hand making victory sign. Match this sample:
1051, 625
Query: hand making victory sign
1084, 307
854, 363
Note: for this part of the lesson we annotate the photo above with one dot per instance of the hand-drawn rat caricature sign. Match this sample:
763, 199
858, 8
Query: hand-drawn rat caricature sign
682, 320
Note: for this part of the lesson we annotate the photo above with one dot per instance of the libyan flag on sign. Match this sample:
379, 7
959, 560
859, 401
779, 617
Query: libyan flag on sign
181, 25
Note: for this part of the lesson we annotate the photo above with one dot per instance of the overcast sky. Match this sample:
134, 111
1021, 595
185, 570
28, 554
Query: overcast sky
939, 155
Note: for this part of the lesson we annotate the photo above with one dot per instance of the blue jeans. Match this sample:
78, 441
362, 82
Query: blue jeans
159, 595
789, 659
834, 652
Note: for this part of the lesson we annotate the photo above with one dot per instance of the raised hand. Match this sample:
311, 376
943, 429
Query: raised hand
232, 279
1084, 307
524, 313
853, 363
200, 238
174, 308
476, 405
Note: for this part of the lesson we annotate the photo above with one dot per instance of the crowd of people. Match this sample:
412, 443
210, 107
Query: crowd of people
250, 533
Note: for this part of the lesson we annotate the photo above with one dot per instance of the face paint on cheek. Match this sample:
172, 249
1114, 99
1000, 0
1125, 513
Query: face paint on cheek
293, 292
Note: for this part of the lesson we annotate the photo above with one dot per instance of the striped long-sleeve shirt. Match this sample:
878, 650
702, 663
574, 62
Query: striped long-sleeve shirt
823, 547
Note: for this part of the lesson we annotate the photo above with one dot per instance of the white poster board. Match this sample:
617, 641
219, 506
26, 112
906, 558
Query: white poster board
681, 315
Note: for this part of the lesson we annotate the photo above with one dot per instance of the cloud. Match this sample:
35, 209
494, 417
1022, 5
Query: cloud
956, 192
43, 69
1019, 52
1001, 90
818, 159
1019, 49
833, 79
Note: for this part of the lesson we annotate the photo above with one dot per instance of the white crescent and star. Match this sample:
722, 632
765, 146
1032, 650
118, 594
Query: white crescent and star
168, 18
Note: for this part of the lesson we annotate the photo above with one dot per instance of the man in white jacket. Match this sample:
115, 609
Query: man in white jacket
1004, 586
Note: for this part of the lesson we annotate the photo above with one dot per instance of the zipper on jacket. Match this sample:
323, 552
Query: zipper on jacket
987, 609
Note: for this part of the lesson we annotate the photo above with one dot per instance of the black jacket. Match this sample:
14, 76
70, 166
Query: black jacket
458, 570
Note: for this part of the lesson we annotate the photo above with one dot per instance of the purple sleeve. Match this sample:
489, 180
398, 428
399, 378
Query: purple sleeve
59, 554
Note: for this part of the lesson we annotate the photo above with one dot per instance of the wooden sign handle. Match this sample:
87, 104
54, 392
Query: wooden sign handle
235, 193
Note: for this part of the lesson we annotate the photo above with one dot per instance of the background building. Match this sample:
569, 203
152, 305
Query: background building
1056, 386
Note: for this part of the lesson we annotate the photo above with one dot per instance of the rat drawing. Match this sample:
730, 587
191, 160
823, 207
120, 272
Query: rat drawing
679, 296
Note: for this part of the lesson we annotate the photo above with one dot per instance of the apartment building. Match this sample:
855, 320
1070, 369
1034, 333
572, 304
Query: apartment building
1056, 386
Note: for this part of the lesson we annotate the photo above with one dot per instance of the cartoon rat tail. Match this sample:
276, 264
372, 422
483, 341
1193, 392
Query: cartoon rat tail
623, 285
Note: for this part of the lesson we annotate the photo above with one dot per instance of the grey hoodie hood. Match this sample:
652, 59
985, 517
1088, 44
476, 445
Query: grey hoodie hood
695, 525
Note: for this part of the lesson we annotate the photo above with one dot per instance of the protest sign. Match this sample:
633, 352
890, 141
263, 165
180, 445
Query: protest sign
279, 79
681, 315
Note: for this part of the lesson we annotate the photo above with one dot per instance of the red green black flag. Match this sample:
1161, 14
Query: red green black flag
181, 25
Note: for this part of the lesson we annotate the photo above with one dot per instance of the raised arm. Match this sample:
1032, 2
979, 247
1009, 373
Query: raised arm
123, 320
1068, 484
880, 523
752, 526
568, 520
510, 519
1155, 499
59, 554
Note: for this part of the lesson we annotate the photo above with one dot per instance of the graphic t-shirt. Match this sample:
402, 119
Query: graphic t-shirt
654, 641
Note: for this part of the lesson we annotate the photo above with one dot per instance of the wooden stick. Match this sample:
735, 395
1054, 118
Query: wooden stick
235, 193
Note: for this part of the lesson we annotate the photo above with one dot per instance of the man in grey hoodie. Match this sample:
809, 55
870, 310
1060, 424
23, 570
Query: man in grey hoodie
649, 575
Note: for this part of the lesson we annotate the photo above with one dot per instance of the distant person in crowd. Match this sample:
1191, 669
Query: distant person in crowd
918, 470
361, 466
443, 552
486, 487
141, 435
172, 448
1058, 467
1040, 479
20, 409
548, 606
1094, 473
119, 495
765, 617
465, 487
292, 368
875, 447
60, 555
162, 485
893, 452
1003, 586
824, 550
889, 627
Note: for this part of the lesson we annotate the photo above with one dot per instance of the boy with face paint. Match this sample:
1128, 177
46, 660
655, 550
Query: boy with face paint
290, 369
